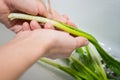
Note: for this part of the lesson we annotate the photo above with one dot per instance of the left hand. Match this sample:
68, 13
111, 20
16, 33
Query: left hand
33, 7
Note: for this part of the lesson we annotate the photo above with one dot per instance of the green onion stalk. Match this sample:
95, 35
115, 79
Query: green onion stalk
81, 67
91, 59
111, 62
74, 73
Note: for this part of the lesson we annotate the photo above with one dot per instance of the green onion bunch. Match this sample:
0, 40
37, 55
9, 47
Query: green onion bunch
85, 63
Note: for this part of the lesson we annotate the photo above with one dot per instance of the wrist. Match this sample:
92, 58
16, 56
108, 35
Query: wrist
26, 52
31, 51
18, 57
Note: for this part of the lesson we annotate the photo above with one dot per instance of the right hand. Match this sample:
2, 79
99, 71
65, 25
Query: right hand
29, 46
57, 44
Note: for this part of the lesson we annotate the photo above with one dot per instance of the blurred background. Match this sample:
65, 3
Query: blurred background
101, 18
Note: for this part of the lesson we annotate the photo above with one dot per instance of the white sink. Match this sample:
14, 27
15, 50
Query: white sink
101, 18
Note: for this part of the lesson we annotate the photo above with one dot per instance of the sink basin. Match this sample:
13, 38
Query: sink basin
100, 18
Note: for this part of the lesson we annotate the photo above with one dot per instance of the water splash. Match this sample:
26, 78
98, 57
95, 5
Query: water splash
114, 52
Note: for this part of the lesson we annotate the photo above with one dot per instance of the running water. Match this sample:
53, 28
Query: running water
112, 50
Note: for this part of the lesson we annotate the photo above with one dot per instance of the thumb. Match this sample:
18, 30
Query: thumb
81, 41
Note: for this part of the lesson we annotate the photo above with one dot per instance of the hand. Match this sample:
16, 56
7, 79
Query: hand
34, 7
28, 46
57, 44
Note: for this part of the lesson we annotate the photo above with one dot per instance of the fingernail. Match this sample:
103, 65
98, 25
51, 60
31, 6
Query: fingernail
86, 42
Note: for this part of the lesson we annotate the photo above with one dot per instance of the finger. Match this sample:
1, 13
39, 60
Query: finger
81, 41
43, 2
71, 23
48, 26
26, 26
68, 20
65, 16
33, 7
34, 25
56, 16
16, 28
42, 9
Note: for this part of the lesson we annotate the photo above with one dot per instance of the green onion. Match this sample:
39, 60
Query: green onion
92, 60
111, 62
78, 67
66, 69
